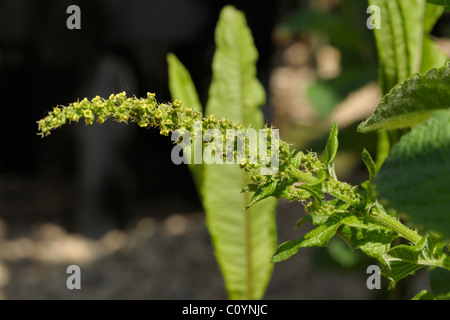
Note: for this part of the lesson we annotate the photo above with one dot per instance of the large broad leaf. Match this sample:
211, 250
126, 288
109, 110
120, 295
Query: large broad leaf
244, 241
412, 101
402, 40
415, 179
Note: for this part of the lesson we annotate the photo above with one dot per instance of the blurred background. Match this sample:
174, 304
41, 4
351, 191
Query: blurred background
109, 198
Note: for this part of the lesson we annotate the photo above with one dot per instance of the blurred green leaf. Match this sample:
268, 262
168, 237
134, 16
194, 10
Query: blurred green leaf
402, 50
341, 253
440, 282
323, 97
182, 87
243, 240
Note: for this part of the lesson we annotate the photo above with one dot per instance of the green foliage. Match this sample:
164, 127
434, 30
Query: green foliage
411, 101
404, 47
353, 213
237, 235
414, 178
318, 237
330, 150
244, 240
373, 239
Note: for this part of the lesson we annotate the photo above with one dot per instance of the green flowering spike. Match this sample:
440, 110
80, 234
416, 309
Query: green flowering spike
294, 167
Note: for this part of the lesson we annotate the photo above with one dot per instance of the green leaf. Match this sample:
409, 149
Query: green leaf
182, 87
400, 40
440, 2
370, 164
440, 282
414, 179
432, 57
263, 193
404, 260
412, 101
330, 151
374, 240
318, 237
243, 240
424, 295
235, 90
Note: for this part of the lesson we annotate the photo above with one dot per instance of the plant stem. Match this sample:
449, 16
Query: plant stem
383, 218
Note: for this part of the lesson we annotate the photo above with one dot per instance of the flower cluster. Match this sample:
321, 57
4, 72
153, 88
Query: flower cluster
147, 112
298, 173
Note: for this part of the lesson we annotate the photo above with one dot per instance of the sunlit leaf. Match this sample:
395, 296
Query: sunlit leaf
243, 241
411, 102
